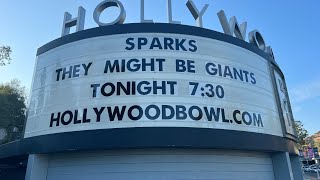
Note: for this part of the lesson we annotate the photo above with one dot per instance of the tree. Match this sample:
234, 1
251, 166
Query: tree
317, 144
302, 133
5, 52
314, 140
12, 110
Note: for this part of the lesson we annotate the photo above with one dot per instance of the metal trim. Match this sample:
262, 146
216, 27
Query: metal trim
149, 137
150, 28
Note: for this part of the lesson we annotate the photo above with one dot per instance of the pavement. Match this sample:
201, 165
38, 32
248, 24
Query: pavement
310, 176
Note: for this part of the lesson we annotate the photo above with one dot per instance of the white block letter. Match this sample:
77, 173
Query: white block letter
78, 21
195, 12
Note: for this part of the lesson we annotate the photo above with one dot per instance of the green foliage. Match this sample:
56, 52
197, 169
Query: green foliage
12, 110
5, 52
301, 132
316, 144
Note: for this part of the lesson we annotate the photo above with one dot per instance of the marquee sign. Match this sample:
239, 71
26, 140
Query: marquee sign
151, 75
151, 80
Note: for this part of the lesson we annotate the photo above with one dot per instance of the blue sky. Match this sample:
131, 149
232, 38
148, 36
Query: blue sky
290, 27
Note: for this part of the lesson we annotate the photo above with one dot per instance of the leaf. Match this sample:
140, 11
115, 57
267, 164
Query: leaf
12, 109
5, 53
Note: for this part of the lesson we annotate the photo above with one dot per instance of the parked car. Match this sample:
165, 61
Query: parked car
314, 166
314, 169
306, 168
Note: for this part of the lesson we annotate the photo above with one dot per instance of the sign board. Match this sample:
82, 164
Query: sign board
151, 80
300, 153
310, 153
316, 152
286, 112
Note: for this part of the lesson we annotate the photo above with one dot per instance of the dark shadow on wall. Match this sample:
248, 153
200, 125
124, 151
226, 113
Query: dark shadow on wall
13, 168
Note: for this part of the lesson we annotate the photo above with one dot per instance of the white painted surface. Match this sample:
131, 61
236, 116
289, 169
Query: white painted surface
51, 96
37, 167
161, 164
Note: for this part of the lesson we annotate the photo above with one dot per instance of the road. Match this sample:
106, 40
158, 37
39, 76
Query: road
310, 176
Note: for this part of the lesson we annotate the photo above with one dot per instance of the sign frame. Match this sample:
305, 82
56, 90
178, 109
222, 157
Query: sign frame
274, 68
